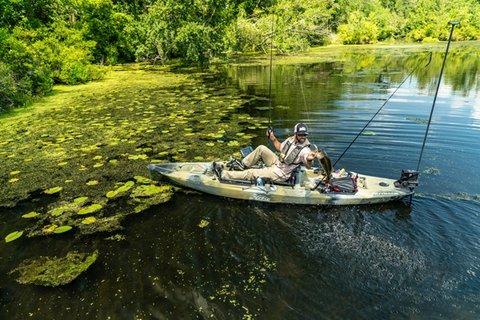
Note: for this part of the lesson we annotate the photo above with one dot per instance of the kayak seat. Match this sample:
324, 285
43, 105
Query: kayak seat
289, 182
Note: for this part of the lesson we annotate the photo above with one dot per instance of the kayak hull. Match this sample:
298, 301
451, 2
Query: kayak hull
198, 176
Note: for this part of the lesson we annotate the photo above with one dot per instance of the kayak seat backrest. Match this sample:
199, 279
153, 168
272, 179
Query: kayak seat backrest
291, 181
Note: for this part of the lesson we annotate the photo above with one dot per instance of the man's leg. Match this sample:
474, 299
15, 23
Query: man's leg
261, 152
252, 174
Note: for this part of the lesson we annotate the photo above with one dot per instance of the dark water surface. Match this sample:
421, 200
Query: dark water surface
292, 262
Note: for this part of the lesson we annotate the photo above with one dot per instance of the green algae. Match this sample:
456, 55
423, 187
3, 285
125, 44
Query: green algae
120, 191
103, 225
143, 180
149, 190
203, 223
105, 133
53, 271
89, 220
13, 236
145, 196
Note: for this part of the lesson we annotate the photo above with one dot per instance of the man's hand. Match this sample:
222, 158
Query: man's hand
271, 135
312, 155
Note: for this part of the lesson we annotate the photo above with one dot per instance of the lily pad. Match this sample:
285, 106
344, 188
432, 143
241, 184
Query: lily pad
30, 215
62, 229
53, 271
80, 201
90, 209
57, 211
53, 190
13, 236
120, 191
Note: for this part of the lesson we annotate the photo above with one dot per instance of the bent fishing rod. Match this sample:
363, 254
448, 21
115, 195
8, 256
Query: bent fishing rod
270, 128
381, 107
453, 24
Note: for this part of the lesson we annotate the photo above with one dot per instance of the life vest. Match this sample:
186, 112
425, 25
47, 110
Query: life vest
290, 158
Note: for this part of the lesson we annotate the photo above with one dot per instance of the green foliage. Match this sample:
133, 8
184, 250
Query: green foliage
195, 41
358, 29
43, 42
296, 25
108, 29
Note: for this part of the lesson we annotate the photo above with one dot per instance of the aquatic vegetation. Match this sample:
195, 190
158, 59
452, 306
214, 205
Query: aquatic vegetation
120, 191
53, 190
103, 135
13, 236
143, 180
48, 229
89, 220
53, 271
149, 190
107, 224
62, 229
91, 209
30, 215
203, 223
116, 237
80, 201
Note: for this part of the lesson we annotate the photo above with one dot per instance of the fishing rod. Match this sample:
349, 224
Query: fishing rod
453, 24
381, 107
270, 129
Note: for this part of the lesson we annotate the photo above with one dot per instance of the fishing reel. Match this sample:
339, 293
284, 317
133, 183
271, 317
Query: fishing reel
408, 179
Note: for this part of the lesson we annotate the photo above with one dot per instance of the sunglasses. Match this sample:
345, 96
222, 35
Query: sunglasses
301, 135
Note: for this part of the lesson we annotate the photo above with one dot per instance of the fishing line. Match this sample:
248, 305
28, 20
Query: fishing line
270, 81
381, 107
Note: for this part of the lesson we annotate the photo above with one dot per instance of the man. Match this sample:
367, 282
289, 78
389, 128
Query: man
294, 152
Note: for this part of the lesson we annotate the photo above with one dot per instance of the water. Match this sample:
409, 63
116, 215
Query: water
294, 262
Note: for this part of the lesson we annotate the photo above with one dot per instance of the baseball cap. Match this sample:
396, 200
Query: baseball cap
300, 128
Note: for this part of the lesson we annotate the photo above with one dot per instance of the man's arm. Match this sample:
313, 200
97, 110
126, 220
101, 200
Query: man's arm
276, 143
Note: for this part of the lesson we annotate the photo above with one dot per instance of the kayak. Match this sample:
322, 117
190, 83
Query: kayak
364, 189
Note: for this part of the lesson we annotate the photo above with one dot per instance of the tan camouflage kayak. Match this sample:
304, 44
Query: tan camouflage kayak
362, 189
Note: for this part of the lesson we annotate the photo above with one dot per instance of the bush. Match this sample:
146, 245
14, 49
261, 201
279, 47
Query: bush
194, 43
358, 29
